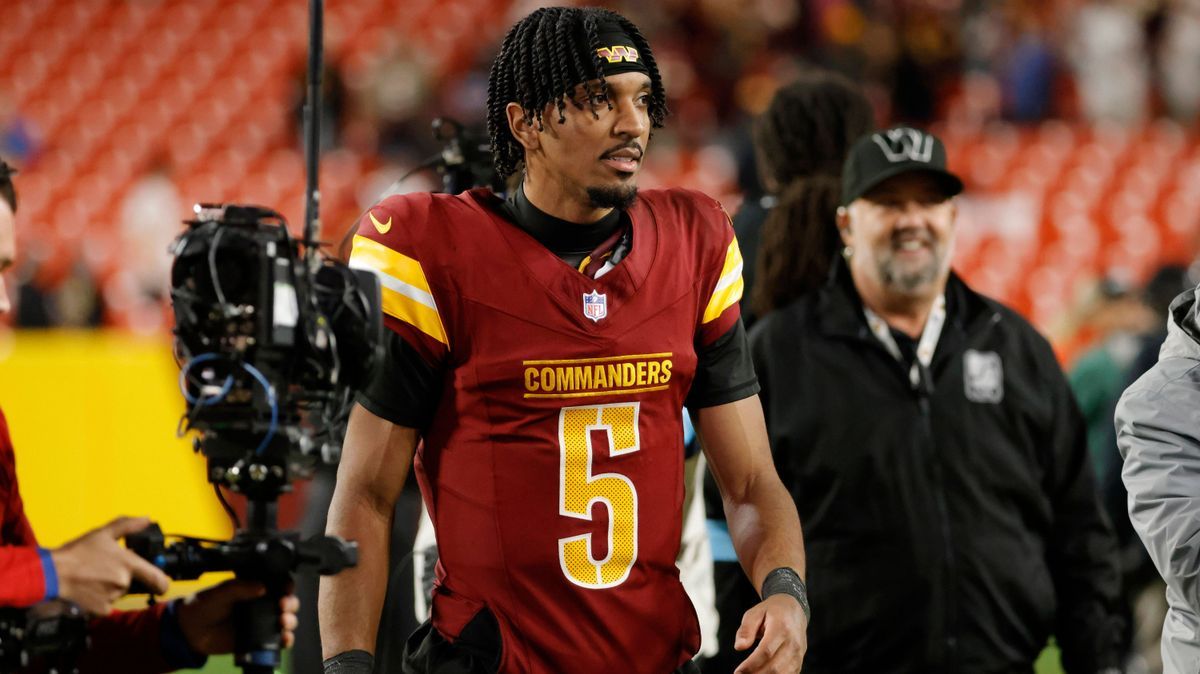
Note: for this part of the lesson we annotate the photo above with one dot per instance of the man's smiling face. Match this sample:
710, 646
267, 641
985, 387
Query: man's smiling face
902, 235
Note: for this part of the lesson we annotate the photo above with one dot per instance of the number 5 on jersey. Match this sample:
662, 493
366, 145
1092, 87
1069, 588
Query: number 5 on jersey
579, 489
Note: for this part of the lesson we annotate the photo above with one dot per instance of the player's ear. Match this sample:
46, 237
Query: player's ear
843, 225
523, 126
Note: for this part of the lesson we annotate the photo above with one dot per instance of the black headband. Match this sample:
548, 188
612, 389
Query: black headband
617, 51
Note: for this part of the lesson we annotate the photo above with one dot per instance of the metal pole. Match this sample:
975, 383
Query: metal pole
312, 123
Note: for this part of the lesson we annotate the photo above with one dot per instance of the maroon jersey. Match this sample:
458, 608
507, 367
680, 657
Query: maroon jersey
552, 467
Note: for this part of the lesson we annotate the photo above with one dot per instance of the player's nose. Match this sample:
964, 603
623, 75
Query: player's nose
632, 120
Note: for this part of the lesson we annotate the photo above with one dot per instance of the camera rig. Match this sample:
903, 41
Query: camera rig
47, 638
271, 344
272, 338
465, 160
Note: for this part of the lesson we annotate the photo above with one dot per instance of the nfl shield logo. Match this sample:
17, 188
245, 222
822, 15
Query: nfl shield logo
595, 306
983, 376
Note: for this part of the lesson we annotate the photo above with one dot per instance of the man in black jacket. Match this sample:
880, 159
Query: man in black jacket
936, 455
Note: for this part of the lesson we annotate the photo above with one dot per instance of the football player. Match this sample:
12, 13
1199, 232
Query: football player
540, 349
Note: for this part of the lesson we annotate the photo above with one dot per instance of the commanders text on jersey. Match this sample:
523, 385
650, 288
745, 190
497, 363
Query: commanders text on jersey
597, 376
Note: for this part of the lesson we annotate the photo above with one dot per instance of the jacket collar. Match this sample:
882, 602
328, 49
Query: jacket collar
840, 308
1183, 327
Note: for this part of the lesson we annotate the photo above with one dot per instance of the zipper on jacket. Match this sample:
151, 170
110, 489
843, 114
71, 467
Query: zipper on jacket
949, 642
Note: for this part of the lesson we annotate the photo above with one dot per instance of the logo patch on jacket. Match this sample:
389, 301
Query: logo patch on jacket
983, 376
595, 305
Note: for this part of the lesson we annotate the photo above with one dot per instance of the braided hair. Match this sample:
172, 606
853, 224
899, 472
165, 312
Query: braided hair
541, 62
7, 191
801, 142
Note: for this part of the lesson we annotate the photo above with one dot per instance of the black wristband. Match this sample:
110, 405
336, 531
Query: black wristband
350, 662
786, 581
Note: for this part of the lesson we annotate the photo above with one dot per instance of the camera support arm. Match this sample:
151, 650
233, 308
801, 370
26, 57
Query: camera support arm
259, 552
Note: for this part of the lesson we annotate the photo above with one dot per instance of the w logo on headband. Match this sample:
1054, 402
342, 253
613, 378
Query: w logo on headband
618, 53
905, 144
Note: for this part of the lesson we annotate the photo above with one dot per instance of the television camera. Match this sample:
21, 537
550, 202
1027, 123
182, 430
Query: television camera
272, 341
272, 338
48, 637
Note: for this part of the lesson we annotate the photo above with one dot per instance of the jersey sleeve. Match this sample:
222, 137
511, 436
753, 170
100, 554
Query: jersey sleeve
14, 525
26, 572
405, 388
724, 371
387, 243
722, 281
22, 576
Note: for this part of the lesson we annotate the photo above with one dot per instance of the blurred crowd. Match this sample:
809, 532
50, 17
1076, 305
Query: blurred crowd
962, 64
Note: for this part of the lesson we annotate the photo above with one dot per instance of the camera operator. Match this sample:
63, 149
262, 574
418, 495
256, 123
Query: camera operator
94, 570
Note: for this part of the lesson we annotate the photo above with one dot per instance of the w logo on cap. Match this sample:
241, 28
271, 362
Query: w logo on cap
905, 144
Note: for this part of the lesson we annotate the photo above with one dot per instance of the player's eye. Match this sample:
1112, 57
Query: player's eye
599, 99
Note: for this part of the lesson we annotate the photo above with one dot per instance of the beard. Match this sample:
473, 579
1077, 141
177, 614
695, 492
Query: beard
620, 197
911, 280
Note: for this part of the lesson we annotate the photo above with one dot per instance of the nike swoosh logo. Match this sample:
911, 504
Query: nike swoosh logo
381, 227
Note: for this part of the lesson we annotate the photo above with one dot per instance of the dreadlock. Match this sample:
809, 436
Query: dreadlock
7, 191
801, 142
540, 62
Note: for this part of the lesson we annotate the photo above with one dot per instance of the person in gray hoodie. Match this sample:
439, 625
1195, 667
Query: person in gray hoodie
1158, 433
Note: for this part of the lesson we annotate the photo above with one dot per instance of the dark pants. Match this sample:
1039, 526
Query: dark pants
427, 652
398, 614
735, 596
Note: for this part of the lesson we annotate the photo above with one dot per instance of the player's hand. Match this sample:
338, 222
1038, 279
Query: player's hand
94, 569
206, 618
779, 625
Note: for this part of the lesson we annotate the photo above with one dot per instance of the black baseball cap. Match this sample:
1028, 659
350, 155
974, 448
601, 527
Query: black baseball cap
884, 154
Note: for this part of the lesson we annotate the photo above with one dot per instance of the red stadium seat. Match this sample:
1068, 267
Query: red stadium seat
211, 91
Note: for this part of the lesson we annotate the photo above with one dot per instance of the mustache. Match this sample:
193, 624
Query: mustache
924, 237
631, 145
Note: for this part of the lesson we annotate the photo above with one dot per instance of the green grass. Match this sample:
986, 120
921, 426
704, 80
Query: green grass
223, 664
1049, 662
220, 664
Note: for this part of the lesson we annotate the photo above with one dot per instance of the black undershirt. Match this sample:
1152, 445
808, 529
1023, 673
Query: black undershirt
907, 346
570, 241
406, 390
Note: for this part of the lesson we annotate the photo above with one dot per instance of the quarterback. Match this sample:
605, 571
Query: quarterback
540, 350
